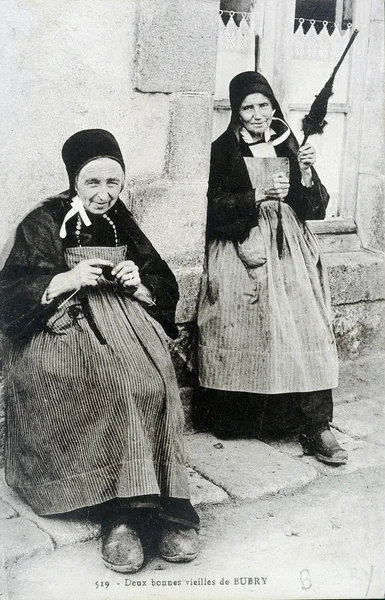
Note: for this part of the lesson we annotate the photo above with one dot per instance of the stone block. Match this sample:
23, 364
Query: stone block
176, 46
334, 242
66, 530
288, 444
376, 438
203, 492
143, 135
372, 141
22, 539
361, 379
370, 212
266, 471
189, 282
63, 529
190, 138
377, 13
356, 276
173, 217
6, 511
360, 418
2, 439
358, 328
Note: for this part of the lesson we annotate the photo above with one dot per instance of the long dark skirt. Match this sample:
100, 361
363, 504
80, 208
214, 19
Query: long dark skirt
93, 417
239, 414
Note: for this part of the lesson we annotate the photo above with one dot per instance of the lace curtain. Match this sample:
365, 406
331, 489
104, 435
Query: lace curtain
236, 48
317, 46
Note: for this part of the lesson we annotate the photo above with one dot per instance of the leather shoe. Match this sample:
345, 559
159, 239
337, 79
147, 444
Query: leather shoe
324, 446
178, 543
122, 550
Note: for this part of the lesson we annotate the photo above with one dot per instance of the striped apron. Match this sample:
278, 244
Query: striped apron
93, 407
264, 322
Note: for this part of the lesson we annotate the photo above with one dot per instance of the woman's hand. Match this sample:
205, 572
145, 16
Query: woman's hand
85, 273
126, 273
306, 158
279, 188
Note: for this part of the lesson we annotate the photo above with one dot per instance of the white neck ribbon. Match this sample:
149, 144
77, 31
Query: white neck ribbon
283, 136
77, 207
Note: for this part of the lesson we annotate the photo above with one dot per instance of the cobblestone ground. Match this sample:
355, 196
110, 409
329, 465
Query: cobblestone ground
324, 541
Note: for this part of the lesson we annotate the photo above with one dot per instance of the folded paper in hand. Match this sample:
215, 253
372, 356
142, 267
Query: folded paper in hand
261, 170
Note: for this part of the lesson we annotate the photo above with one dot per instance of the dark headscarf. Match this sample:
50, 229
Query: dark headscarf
251, 82
247, 83
87, 145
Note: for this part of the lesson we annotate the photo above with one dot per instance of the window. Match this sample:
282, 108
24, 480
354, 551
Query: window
236, 52
321, 32
237, 7
337, 13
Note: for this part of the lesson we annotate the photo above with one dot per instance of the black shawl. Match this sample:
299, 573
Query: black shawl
37, 256
231, 209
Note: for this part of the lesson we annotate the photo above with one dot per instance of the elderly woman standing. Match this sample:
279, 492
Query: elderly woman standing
93, 413
266, 349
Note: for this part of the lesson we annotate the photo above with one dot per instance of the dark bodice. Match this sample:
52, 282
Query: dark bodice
37, 256
231, 209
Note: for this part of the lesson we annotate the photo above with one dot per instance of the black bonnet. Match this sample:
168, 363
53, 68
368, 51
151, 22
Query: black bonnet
247, 83
87, 145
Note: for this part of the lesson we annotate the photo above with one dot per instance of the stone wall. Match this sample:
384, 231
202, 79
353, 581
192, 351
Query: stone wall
370, 215
357, 286
142, 69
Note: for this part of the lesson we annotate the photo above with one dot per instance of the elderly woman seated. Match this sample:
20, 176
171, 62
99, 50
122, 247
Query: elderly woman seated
93, 413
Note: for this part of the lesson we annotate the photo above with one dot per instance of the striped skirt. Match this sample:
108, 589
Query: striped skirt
89, 421
264, 322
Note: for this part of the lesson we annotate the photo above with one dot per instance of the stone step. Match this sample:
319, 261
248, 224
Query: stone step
246, 469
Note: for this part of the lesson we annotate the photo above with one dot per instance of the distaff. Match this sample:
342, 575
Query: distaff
314, 122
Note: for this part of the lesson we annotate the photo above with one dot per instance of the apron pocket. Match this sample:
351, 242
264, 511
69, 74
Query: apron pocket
252, 251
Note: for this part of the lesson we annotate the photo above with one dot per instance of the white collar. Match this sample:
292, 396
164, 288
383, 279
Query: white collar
269, 132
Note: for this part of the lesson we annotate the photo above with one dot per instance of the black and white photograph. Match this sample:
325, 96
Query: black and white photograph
192, 300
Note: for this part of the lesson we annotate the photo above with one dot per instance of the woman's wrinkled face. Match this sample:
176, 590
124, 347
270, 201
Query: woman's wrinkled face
255, 114
99, 184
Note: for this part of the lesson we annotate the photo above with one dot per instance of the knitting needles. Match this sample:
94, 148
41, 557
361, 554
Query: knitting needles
137, 292
69, 298
144, 297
